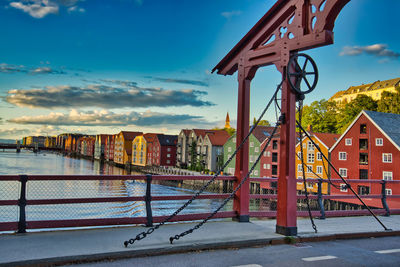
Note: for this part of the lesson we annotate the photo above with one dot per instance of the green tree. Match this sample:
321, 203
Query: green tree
230, 131
321, 115
352, 109
389, 102
193, 156
262, 122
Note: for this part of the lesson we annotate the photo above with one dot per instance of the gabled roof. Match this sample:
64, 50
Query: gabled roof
203, 132
167, 140
262, 132
218, 138
328, 139
387, 123
129, 136
150, 137
186, 132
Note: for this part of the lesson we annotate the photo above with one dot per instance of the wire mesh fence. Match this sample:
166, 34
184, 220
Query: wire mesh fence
70, 189
9, 190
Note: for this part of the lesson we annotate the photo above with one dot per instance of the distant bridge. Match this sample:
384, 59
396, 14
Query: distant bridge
15, 146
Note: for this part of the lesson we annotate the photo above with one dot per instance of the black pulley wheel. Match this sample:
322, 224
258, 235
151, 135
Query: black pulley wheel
302, 73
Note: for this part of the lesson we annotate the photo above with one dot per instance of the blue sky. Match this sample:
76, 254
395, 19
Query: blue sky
100, 66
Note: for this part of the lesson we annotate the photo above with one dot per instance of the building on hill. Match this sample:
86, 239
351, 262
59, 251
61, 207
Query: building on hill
369, 149
373, 90
314, 165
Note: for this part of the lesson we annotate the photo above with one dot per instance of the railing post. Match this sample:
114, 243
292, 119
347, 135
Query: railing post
149, 213
321, 205
22, 204
383, 198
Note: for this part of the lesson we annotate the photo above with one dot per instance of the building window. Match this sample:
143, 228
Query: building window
274, 170
274, 144
299, 168
229, 149
363, 144
299, 155
169, 149
388, 191
251, 158
319, 156
342, 156
363, 190
234, 140
309, 169
379, 141
168, 155
251, 144
274, 157
363, 174
265, 153
319, 169
343, 188
256, 172
310, 146
268, 153
363, 158
348, 141
310, 158
387, 176
363, 128
387, 157
265, 166
268, 166
343, 172
256, 149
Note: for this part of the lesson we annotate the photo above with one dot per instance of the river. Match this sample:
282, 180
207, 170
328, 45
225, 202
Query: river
27, 162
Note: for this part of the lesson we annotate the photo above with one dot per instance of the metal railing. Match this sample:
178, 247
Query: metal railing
21, 201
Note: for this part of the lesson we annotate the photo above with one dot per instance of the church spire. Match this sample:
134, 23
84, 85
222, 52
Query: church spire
227, 121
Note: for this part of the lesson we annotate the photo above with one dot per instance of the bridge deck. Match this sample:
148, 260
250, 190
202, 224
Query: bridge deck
107, 243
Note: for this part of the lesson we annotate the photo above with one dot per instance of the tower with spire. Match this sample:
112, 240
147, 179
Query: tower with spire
227, 121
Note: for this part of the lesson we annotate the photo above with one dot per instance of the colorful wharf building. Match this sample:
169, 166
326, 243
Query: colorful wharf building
256, 138
314, 165
123, 147
369, 149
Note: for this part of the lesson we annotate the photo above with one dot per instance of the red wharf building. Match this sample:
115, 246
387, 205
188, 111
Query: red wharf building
369, 149
164, 150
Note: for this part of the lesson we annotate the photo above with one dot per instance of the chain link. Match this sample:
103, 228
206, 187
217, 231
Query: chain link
201, 190
300, 109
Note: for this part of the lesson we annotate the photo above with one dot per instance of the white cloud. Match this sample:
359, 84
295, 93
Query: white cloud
41, 8
104, 97
230, 14
37, 8
107, 118
378, 50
